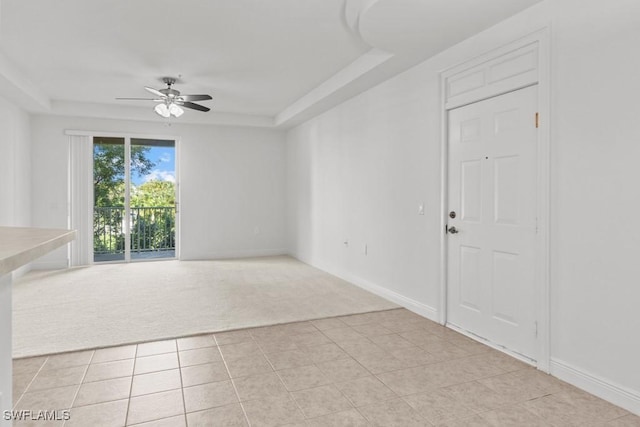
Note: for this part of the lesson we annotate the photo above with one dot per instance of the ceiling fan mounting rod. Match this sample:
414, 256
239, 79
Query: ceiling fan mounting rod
169, 92
169, 81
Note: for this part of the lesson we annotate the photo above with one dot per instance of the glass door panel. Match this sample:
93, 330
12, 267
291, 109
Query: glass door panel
109, 199
153, 199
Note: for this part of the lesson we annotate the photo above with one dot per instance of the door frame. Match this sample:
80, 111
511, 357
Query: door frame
477, 88
127, 136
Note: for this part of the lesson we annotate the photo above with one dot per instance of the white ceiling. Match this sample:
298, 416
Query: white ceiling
265, 62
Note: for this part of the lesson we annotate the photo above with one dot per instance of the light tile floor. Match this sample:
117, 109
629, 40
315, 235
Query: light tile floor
389, 368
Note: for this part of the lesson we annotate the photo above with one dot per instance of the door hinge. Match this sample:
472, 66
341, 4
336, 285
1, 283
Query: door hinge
537, 120
536, 328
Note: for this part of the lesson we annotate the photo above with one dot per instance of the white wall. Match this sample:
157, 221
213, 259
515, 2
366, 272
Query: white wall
361, 170
359, 173
231, 184
15, 166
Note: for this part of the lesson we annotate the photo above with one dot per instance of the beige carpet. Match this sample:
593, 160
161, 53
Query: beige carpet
106, 305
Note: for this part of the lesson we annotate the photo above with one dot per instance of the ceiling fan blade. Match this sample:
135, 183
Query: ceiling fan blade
193, 106
155, 92
195, 97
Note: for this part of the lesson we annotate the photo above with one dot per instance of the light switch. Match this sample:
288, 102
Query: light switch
421, 209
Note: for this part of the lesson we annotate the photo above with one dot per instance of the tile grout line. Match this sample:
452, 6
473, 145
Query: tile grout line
290, 393
75, 396
135, 358
285, 386
154, 372
295, 402
346, 397
244, 412
184, 403
315, 364
333, 384
30, 382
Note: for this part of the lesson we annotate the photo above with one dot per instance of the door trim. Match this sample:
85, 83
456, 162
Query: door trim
127, 136
483, 90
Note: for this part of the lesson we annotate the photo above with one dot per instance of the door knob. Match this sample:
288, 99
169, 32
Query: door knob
452, 230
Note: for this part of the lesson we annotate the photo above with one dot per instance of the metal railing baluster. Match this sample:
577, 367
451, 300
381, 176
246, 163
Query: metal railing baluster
154, 229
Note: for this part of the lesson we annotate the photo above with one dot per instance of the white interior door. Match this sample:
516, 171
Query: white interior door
492, 191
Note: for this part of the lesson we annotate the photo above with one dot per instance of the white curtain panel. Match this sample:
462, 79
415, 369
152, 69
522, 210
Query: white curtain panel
81, 195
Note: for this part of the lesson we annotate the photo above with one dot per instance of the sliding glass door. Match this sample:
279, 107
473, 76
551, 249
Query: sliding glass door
134, 215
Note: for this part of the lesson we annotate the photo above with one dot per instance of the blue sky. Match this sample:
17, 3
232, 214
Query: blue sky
164, 169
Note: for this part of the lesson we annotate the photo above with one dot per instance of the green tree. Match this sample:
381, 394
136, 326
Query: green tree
154, 194
108, 171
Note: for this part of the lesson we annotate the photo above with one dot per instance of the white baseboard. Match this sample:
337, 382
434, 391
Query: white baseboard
604, 389
406, 302
249, 253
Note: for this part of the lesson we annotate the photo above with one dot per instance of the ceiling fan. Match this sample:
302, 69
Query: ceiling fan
170, 101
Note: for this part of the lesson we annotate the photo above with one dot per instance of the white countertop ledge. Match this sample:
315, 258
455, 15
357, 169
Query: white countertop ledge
21, 245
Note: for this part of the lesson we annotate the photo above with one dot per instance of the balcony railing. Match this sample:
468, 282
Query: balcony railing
153, 230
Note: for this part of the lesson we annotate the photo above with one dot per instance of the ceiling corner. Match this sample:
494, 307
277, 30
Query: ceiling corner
15, 87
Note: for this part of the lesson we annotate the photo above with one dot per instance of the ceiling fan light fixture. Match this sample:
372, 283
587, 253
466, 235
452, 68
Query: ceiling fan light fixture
175, 110
162, 110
